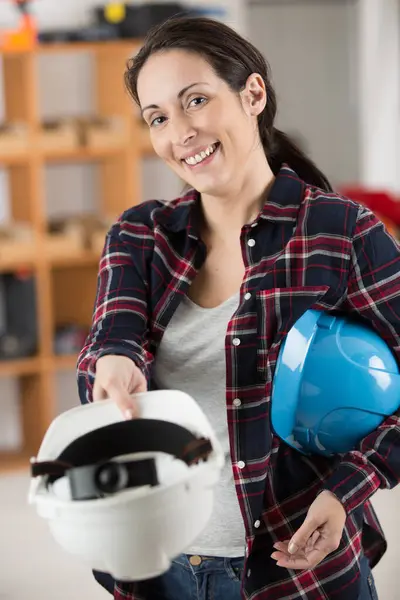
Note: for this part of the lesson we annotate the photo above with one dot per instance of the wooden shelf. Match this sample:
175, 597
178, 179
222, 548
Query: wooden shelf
14, 461
80, 155
65, 362
11, 265
42, 48
14, 159
65, 285
22, 366
107, 46
85, 259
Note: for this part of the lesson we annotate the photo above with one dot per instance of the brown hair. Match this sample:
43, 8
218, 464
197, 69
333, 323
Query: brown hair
233, 59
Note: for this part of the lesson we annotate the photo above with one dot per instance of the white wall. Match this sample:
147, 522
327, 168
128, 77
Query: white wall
311, 48
379, 81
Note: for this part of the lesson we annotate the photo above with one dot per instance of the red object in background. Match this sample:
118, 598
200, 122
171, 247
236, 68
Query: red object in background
24, 37
385, 205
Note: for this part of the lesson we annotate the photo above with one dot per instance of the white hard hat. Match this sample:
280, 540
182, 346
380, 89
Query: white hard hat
126, 497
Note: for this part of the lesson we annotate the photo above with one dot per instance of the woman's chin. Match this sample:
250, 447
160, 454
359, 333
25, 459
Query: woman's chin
211, 186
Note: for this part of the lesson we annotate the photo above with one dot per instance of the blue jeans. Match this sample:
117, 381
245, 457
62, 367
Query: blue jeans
214, 578
219, 579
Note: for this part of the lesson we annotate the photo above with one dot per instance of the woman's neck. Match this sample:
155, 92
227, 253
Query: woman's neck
229, 212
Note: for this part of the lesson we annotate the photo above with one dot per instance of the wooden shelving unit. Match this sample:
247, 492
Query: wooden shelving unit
65, 285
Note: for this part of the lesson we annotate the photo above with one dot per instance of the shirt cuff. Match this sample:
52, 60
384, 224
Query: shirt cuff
353, 482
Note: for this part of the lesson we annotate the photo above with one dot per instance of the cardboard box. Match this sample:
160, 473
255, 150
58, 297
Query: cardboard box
64, 239
104, 133
16, 243
58, 135
14, 139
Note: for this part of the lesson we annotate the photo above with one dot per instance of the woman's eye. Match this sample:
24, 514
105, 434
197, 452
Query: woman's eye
157, 121
197, 101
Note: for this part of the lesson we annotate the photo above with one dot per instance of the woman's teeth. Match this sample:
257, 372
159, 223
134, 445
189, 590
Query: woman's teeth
198, 158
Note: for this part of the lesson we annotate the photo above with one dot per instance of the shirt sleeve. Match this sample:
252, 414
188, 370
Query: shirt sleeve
120, 316
373, 293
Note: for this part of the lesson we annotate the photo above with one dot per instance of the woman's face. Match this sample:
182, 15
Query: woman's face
205, 132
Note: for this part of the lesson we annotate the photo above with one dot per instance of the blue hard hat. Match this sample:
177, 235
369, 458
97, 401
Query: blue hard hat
335, 381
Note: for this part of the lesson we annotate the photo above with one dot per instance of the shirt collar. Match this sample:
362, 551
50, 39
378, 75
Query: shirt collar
282, 204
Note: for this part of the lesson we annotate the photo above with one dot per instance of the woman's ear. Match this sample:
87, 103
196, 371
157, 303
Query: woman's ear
254, 95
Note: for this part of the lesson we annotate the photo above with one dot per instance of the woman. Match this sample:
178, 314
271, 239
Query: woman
199, 293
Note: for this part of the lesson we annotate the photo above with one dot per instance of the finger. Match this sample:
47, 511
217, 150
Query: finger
279, 556
124, 401
309, 561
312, 541
302, 535
141, 386
328, 543
282, 546
282, 552
97, 392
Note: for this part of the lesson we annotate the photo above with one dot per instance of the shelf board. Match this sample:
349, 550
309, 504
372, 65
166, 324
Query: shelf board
42, 48
14, 159
82, 154
65, 362
12, 265
84, 259
21, 366
107, 45
14, 461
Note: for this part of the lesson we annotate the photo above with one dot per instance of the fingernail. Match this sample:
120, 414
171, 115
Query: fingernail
292, 548
128, 414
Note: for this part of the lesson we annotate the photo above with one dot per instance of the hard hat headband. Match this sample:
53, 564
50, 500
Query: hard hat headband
86, 458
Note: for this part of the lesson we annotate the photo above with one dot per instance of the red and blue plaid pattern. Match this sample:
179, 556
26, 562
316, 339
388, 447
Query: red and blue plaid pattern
310, 249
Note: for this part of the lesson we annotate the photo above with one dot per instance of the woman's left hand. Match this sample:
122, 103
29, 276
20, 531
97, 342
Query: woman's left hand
319, 535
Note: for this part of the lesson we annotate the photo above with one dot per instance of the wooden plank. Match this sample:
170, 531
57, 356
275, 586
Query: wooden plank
74, 291
23, 366
38, 409
20, 93
11, 462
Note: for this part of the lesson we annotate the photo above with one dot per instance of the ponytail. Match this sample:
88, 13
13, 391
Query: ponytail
281, 149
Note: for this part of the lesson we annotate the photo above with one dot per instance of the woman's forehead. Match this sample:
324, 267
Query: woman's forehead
170, 72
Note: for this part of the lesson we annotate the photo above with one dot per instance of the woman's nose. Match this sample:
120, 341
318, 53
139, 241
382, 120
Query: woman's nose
183, 132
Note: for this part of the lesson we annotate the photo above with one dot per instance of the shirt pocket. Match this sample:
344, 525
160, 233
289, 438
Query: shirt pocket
277, 311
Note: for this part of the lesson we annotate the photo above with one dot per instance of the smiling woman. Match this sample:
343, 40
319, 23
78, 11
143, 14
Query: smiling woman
198, 294
221, 87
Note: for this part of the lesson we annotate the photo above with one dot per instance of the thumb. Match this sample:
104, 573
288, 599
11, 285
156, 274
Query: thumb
302, 535
125, 402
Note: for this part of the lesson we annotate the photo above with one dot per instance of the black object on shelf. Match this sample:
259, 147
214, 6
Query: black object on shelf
139, 19
20, 338
94, 33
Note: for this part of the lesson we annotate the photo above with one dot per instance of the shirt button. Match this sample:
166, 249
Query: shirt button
241, 464
248, 572
247, 296
237, 402
236, 341
257, 524
251, 242
254, 225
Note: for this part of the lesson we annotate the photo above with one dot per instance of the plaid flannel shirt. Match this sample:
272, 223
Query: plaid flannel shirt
306, 249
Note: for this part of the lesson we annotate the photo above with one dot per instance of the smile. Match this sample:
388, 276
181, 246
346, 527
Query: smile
202, 156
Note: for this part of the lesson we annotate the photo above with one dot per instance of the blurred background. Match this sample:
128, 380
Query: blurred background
73, 155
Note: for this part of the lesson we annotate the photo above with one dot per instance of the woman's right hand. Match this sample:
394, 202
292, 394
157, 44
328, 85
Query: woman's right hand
117, 378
